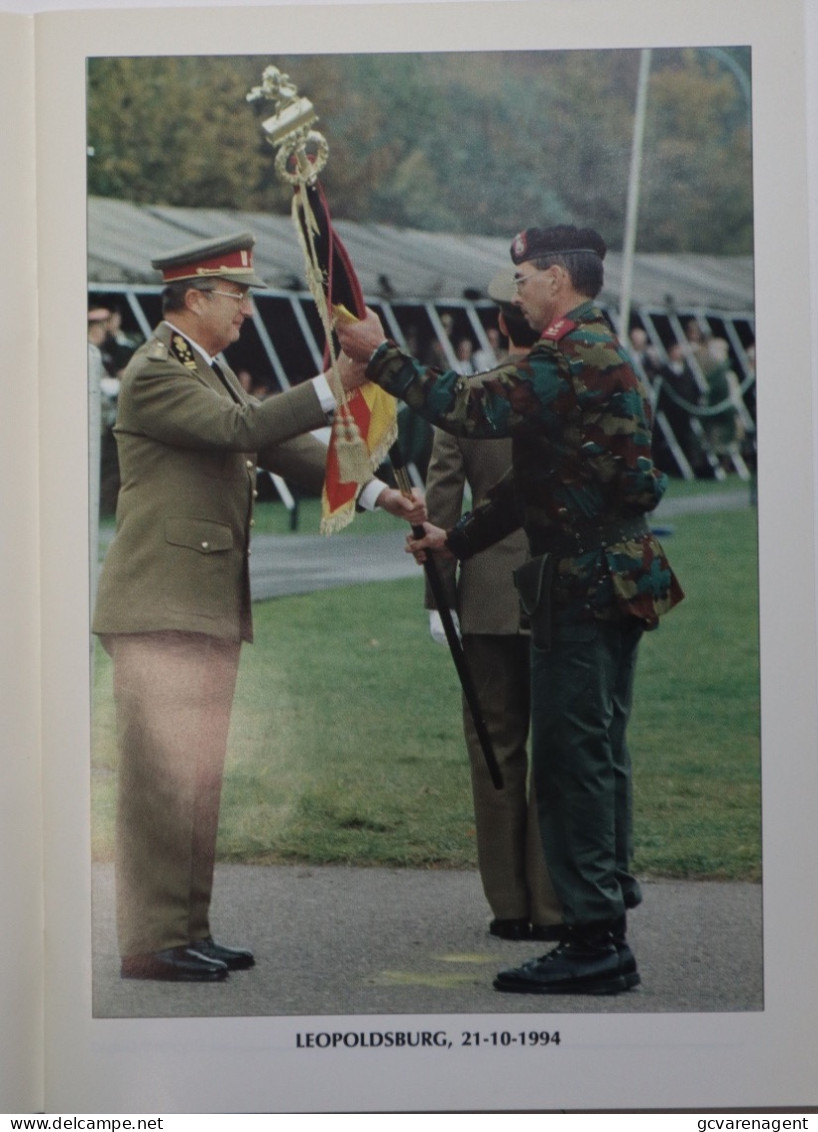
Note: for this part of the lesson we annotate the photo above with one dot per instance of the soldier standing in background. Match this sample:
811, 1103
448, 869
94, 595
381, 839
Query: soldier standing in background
484, 600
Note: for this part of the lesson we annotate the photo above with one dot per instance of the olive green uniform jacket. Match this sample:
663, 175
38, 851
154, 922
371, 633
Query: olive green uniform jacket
188, 448
480, 589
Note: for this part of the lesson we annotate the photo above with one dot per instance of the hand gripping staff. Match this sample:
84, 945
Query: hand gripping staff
361, 437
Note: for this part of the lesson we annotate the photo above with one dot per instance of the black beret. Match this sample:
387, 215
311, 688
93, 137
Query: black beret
562, 239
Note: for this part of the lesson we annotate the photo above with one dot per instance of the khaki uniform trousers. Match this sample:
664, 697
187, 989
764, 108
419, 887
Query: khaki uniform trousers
509, 850
173, 694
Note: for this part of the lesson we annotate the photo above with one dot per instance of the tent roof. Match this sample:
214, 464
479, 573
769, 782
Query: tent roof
391, 262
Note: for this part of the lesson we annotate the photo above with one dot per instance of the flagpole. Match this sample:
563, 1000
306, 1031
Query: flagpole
632, 209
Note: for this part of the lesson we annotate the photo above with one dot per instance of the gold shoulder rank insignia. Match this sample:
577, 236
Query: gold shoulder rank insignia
183, 352
157, 351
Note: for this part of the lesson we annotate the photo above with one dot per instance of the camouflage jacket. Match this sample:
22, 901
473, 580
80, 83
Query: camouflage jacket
582, 476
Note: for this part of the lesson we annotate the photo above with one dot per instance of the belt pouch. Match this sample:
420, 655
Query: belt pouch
533, 581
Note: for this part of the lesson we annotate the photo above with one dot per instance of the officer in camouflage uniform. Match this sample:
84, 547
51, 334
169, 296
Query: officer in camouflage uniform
581, 482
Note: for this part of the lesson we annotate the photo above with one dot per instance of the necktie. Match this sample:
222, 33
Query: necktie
219, 372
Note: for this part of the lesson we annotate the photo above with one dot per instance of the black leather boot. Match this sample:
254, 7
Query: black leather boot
587, 961
627, 962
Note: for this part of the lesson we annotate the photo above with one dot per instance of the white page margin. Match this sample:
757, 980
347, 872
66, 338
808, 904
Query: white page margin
251, 1064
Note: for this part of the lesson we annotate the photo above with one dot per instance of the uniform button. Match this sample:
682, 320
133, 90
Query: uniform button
249, 552
205, 546
249, 463
252, 522
255, 494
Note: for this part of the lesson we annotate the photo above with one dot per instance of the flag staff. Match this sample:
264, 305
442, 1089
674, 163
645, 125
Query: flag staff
634, 179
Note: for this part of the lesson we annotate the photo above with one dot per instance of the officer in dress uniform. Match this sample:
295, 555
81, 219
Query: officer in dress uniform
581, 483
173, 604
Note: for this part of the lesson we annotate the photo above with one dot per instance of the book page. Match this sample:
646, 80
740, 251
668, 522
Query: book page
210, 1064
21, 991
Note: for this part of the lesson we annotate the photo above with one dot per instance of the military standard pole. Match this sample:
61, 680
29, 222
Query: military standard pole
632, 213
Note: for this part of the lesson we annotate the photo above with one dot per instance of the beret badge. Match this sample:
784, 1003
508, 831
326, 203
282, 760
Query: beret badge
519, 247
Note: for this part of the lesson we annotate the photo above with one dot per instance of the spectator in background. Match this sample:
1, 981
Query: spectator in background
109, 481
97, 330
104, 391
488, 358
696, 343
725, 430
678, 397
97, 321
464, 355
436, 354
254, 386
750, 392
646, 357
119, 346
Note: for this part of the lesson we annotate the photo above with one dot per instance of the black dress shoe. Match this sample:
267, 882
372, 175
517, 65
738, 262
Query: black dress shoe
575, 966
234, 958
510, 929
174, 964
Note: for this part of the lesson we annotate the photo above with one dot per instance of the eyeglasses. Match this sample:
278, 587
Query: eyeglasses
521, 280
239, 296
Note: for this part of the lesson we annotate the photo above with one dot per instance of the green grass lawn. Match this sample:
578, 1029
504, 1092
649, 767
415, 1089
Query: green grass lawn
347, 746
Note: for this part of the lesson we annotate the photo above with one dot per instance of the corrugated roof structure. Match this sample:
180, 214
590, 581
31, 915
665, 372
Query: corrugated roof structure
391, 262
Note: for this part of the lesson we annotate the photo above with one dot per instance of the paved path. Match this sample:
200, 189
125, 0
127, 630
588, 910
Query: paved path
281, 565
341, 941
301, 563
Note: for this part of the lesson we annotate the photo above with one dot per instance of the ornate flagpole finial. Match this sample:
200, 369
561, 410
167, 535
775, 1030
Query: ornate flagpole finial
302, 151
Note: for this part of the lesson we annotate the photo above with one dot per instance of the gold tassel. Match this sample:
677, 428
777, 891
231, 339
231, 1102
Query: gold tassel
331, 524
354, 461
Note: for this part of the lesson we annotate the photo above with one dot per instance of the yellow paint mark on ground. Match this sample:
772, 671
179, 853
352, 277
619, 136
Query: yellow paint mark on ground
473, 958
440, 981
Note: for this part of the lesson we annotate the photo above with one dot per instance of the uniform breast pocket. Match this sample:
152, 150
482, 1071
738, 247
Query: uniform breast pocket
199, 564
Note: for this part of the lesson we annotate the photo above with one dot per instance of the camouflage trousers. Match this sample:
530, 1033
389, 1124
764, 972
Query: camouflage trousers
582, 692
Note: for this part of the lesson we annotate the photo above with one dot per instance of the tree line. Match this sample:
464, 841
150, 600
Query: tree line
480, 143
